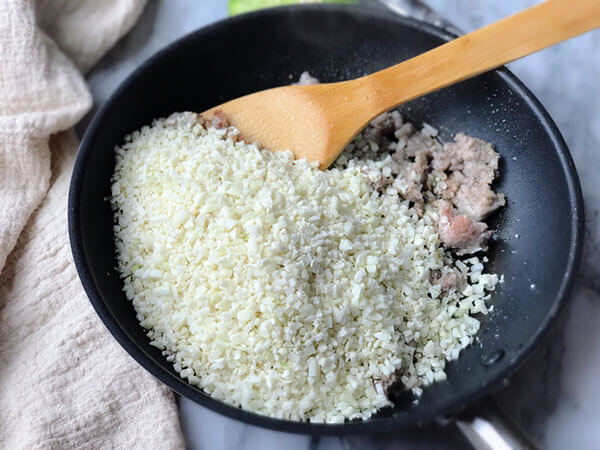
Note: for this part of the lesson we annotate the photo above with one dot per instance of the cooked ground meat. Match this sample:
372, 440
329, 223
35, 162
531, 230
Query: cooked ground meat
466, 168
405, 167
450, 280
218, 120
459, 231
382, 128
395, 156
412, 156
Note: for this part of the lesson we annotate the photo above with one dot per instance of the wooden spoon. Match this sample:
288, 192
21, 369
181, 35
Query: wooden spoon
316, 122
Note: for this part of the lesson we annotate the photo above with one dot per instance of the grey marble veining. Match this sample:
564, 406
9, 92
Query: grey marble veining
555, 394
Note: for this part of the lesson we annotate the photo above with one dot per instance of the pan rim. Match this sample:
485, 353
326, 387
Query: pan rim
388, 424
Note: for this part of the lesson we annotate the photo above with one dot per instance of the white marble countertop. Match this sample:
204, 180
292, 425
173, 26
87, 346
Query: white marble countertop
555, 395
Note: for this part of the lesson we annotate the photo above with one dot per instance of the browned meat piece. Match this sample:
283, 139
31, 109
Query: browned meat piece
448, 281
381, 129
478, 200
468, 167
412, 163
218, 120
460, 232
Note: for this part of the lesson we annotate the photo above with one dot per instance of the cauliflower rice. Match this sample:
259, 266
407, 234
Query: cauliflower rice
272, 285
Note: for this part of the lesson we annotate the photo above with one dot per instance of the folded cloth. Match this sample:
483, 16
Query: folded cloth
64, 382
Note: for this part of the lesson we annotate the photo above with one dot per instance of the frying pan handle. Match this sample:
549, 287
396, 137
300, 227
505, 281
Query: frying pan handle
419, 10
487, 427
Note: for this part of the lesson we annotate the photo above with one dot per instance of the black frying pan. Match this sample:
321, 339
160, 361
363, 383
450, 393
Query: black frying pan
272, 47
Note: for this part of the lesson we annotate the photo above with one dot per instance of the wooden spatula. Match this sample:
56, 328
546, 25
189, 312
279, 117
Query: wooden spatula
316, 122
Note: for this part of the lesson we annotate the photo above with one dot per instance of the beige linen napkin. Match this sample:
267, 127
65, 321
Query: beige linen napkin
64, 382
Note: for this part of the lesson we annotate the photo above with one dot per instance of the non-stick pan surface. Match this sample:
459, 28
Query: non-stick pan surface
539, 231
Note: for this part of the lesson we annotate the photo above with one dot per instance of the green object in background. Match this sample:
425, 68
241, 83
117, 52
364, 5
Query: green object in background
242, 6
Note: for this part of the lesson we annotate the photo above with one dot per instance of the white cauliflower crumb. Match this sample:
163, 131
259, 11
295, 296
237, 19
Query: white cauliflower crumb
289, 291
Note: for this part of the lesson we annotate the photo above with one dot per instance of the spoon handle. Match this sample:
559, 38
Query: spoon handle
516, 36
